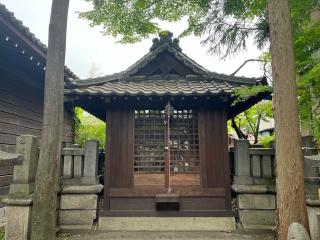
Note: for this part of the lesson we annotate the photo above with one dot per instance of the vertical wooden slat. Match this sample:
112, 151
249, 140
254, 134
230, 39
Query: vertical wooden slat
130, 138
225, 160
107, 174
128, 156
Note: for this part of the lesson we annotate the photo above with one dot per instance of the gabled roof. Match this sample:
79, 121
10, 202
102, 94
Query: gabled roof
164, 70
22, 32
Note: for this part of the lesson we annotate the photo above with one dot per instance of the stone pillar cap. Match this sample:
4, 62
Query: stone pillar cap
10, 159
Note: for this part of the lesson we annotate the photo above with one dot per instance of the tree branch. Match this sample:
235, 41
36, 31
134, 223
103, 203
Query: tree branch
244, 63
249, 122
240, 134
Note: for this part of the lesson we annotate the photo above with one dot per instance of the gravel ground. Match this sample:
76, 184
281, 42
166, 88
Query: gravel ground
97, 235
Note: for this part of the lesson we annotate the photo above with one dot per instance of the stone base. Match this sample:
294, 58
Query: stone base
256, 201
77, 217
242, 188
257, 219
68, 228
312, 217
78, 201
18, 222
167, 223
23, 189
245, 180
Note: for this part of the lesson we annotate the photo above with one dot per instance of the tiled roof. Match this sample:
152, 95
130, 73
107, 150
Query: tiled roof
131, 82
158, 87
18, 24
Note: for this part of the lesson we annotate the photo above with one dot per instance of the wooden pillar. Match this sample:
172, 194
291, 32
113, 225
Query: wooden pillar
214, 160
167, 155
119, 151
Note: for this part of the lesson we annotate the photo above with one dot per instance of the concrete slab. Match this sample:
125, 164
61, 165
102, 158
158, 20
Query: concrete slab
185, 235
167, 223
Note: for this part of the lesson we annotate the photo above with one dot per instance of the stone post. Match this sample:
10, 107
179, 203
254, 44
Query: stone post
242, 162
91, 161
242, 158
19, 200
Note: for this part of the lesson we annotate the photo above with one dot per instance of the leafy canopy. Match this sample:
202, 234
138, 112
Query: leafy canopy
226, 24
250, 120
89, 127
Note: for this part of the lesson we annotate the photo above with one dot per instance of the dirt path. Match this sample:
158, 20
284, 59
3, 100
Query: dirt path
167, 236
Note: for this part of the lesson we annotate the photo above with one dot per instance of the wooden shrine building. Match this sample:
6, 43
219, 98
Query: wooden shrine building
22, 75
167, 146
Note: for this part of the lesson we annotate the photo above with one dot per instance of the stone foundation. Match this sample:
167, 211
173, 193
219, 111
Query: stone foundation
167, 223
18, 222
78, 207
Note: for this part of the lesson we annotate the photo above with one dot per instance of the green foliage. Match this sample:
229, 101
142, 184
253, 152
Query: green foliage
243, 94
249, 120
89, 128
227, 24
266, 141
136, 19
306, 46
2, 233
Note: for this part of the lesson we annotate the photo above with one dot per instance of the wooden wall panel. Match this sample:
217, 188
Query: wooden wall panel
214, 160
121, 148
21, 107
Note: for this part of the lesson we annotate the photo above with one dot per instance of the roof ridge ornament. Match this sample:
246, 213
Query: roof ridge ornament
165, 37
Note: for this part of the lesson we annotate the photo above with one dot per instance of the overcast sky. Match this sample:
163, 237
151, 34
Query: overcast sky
86, 45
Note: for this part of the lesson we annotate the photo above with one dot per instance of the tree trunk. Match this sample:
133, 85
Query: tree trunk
240, 134
44, 216
290, 183
256, 131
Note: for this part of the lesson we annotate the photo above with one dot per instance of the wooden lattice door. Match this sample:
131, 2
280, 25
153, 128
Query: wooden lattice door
149, 147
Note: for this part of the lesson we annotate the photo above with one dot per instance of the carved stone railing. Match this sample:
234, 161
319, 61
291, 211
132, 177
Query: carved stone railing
79, 186
254, 185
253, 165
80, 165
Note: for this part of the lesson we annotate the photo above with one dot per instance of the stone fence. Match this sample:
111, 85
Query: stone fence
78, 198
254, 186
79, 186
